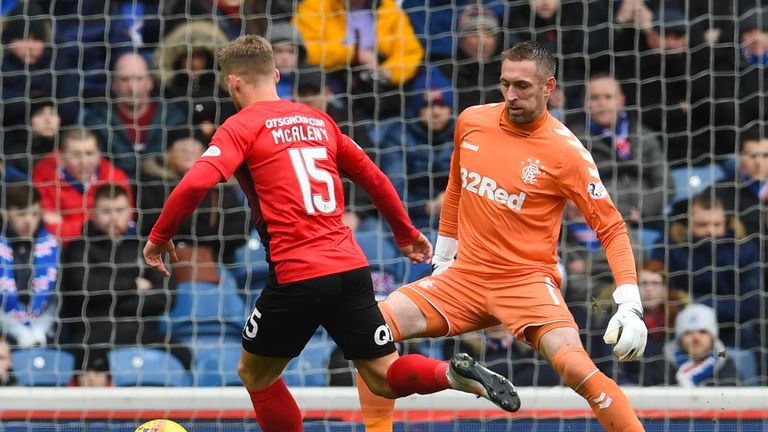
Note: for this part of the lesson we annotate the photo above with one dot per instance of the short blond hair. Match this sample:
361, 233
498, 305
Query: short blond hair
249, 57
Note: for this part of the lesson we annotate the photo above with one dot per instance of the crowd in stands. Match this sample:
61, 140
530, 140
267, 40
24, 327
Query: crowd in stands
105, 106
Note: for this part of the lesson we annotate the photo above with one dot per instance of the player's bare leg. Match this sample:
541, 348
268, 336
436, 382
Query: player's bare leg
562, 347
276, 409
419, 374
380, 381
374, 375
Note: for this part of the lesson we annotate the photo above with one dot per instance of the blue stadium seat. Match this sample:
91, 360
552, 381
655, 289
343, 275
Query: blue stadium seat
206, 309
147, 367
251, 269
202, 344
746, 364
649, 238
310, 368
730, 166
690, 181
43, 367
217, 367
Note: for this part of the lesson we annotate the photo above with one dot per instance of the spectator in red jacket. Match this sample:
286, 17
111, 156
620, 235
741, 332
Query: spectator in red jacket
67, 178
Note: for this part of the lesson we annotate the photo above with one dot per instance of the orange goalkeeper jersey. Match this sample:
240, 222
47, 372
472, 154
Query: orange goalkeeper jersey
506, 192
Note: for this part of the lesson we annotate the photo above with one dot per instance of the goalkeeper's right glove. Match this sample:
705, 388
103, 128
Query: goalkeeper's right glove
626, 328
445, 252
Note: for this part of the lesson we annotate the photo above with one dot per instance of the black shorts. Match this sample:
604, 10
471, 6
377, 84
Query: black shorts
286, 316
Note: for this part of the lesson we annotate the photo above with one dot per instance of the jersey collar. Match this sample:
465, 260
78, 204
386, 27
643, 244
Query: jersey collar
524, 130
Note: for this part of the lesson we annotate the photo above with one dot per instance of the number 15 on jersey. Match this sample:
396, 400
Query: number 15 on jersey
304, 165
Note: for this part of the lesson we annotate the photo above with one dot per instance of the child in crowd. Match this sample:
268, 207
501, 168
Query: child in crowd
697, 354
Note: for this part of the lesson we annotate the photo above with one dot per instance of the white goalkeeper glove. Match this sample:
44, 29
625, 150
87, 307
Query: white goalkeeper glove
445, 252
626, 328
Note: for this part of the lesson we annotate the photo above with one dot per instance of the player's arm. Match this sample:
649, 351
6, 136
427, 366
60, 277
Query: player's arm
449, 212
356, 165
184, 199
217, 164
447, 243
581, 183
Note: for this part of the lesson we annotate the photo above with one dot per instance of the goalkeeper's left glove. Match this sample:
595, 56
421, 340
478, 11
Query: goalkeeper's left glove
626, 328
445, 253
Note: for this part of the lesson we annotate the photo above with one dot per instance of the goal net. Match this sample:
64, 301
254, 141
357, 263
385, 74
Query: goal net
129, 93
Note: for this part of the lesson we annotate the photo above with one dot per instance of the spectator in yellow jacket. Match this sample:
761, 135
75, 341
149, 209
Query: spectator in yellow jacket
380, 41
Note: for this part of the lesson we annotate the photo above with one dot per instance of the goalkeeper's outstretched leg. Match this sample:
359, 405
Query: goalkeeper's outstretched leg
562, 347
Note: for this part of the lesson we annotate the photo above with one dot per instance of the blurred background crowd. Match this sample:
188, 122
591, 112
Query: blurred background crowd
105, 106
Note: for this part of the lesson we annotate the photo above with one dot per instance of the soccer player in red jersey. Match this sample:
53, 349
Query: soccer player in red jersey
513, 169
287, 158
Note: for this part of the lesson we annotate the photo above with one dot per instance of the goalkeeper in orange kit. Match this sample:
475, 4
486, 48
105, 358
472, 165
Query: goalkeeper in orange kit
513, 169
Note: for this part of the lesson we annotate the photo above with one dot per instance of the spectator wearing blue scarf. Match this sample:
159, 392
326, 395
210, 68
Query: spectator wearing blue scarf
709, 256
696, 354
748, 195
628, 156
29, 261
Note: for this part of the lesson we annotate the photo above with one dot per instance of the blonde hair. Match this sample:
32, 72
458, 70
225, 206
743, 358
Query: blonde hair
250, 57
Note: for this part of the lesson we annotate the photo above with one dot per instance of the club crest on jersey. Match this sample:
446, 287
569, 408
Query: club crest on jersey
532, 171
597, 190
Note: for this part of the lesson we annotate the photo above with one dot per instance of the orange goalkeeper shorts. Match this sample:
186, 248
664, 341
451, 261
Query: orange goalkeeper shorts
469, 302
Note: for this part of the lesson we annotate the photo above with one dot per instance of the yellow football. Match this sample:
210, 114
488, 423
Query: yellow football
160, 425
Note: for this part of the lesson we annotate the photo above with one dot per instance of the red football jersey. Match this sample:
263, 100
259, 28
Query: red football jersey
287, 158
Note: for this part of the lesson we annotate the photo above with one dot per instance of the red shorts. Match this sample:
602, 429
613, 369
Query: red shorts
469, 302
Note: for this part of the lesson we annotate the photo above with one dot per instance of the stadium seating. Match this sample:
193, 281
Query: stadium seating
251, 269
217, 367
310, 368
649, 238
746, 364
146, 367
206, 309
202, 344
43, 367
692, 180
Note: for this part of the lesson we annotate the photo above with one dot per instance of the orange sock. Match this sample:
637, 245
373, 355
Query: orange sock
378, 412
609, 403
